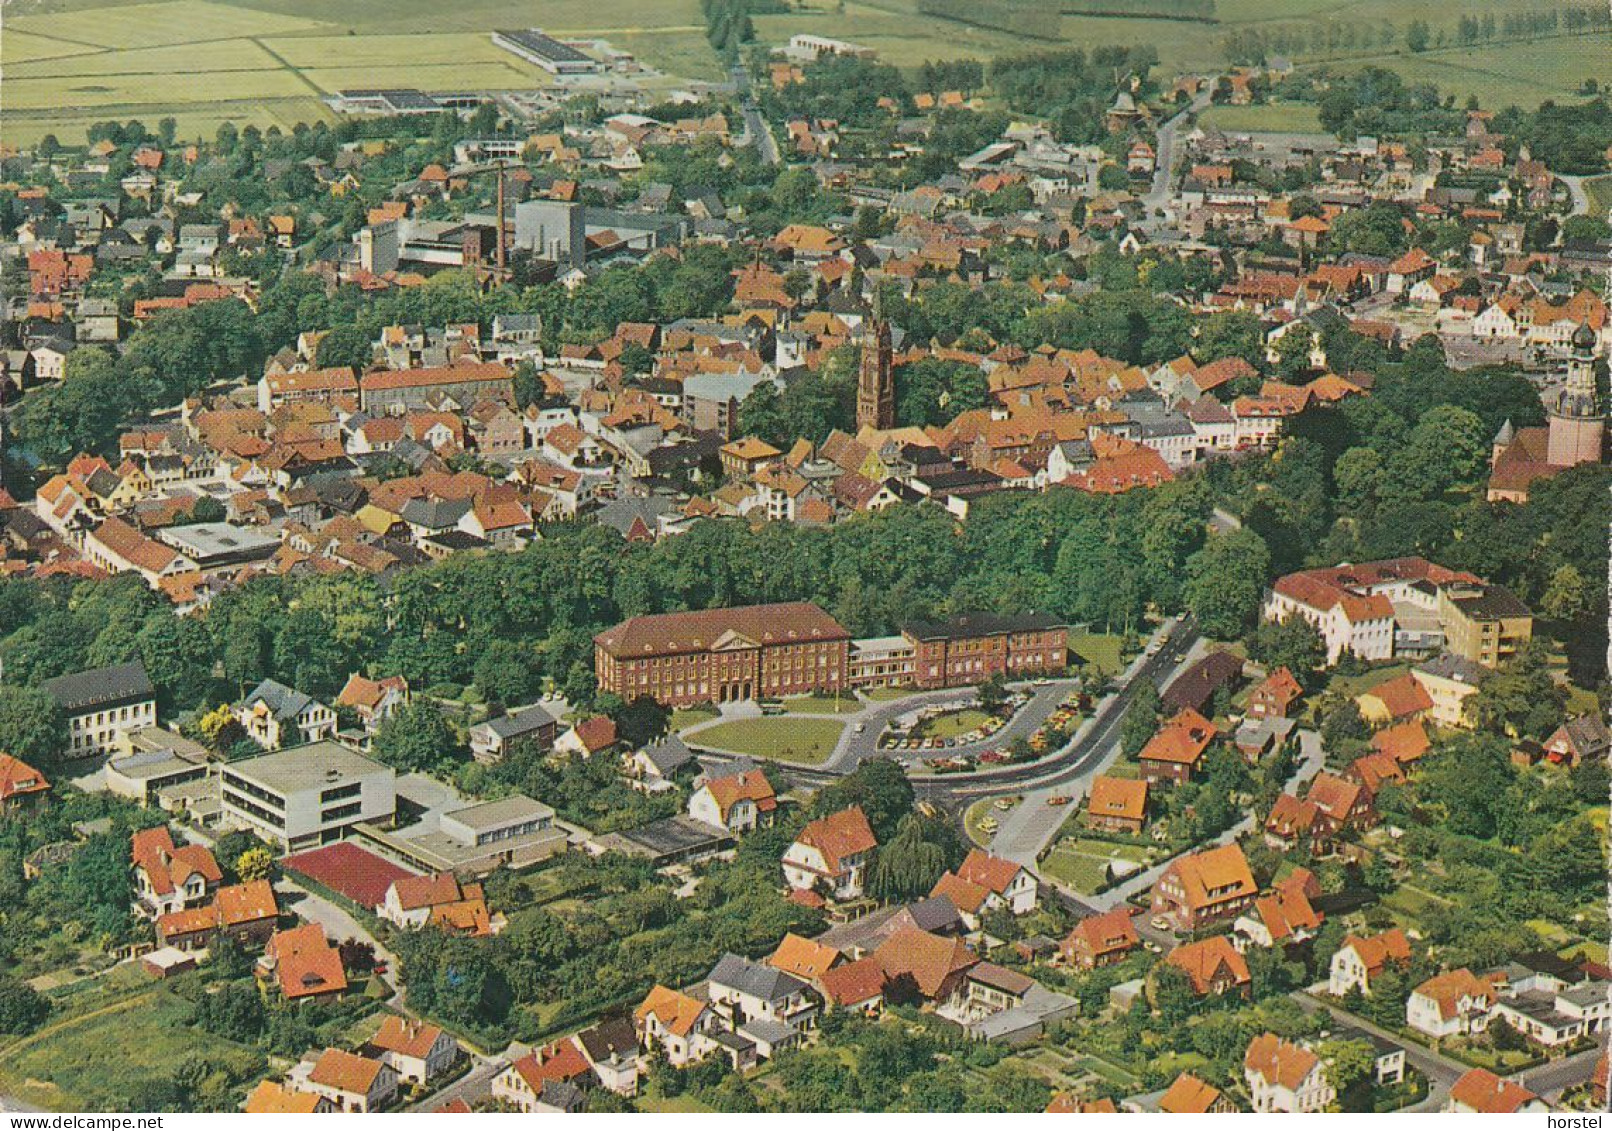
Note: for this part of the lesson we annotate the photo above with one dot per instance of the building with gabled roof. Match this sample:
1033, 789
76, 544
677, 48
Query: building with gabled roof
1283, 1076
416, 1050
1481, 1092
984, 883
1117, 804
736, 802
303, 964
805, 958
832, 852
680, 1025
1203, 887
1099, 940
1177, 750
1190, 1095
1450, 1004
1213, 966
168, 877
20, 783
351, 1082
1360, 959
273, 1098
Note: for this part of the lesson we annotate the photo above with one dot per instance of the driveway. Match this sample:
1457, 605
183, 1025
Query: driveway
472, 1086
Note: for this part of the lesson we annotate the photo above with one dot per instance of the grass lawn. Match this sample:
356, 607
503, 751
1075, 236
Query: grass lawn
889, 694
1599, 190
90, 1059
803, 739
1102, 649
951, 724
688, 716
1410, 903
1353, 685
673, 1104
1082, 863
822, 705
1275, 117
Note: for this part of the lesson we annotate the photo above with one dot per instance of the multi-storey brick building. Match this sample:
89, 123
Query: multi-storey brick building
975, 646
724, 655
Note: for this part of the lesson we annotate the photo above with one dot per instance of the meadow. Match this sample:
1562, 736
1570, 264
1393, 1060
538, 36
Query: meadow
203, 62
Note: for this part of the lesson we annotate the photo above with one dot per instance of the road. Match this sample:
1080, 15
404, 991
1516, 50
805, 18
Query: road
756, 130
1441, 1071
1581, 199
1550, 1080
472, 1086
1164, 154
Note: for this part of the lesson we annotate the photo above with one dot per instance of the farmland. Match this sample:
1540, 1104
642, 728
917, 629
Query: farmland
73, 62
70, 63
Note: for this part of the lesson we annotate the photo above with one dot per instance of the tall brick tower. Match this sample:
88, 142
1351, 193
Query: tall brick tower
876, 384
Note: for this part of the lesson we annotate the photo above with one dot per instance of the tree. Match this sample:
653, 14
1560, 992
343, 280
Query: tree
641, 721
1141, 718
880, 788
1173, 995
1293, 644
1347, 1063
417, 737
22, 1008
507, 673
32, 725
1416, 36
1226, 582
345, 346
1567, 595
254, 864
908, 866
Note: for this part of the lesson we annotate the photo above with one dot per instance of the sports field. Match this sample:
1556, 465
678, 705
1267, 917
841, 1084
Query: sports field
70, 63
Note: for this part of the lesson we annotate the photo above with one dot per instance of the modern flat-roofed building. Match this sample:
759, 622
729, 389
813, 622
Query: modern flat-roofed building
724, 655
103, 703
973, 647
219, 545
545, 51
514, 832
307, 795
882, 661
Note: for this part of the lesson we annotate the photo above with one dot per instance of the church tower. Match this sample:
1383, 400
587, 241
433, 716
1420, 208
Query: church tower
1577, 419
876, 385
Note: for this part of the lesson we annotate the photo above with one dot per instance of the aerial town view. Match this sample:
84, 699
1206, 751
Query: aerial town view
687, 556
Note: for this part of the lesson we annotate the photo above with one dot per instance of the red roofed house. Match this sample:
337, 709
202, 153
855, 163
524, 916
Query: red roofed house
1205, 887
1188, 1095
1401, 699
1274, 695
1283, 1076
1117, 804
677, 1023
588, 737
856, 985
20, 783
373, 700
416, 1050
303, 964
1284, 917
1481, 1092
1450, 1004
834, 852
167, 878
1176, 751
353, 1083
1213, 966
545, 1080
986, 883
1100, 939
738, 802
413, 901
245, 912
1359, 960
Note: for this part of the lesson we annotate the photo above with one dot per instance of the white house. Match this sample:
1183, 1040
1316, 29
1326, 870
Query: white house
738, 802
833, 851
1286, 1077
275, 715
1450, 1004
351, 1082
1359, 960
417, 1051
679, 1025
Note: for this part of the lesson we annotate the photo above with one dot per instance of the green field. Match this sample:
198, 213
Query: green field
951, 724
1080, 862
1103, 650
1275, 117
71, 63
74, 62
91, 1060
803, 739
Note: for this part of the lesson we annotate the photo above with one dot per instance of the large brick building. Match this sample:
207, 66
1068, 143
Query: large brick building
973, 647
724, 655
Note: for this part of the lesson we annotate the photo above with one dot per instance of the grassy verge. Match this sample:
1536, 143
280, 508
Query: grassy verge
802, 739
1102, 649
822, 705
979, 812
